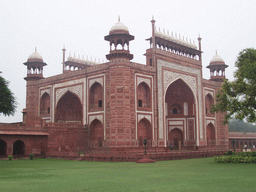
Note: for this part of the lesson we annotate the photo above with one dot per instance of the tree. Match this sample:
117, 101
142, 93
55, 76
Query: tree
7, 99
237, 98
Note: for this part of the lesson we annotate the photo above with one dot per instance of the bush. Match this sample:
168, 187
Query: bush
253, 160
10, 157
229, 152
31, 156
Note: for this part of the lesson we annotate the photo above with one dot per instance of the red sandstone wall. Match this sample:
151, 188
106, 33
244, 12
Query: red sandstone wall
66, 140
120, 106
33, 144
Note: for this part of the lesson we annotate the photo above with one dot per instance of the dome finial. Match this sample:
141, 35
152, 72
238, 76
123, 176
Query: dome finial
35, 49
216, 52
118, 18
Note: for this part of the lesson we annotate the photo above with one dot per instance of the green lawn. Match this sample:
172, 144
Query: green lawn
179, 175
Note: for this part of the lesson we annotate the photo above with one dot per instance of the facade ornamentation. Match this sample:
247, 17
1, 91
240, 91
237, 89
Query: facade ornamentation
107, 106
77, 89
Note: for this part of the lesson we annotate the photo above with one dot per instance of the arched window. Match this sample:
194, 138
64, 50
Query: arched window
144, 96
119, 44
96, 97
208, 104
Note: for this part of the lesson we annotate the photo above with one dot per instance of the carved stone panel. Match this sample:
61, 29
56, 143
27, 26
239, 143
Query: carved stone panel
146, 80
77, 89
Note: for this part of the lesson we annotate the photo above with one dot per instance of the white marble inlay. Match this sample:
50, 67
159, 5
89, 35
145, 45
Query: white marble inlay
93, 117
194, 81
173, 127
141, 116
208, 121
77, 89
45, 91
98, 80
175, 122
146, 80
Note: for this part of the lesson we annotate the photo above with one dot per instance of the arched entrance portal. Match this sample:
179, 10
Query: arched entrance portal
96, 134
69, 109
175, 137
180, 113
18, 148
3, 147
144, 130
210, 134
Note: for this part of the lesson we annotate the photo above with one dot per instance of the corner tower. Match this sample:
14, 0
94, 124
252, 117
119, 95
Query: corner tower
35, 66
119, 39
120, 90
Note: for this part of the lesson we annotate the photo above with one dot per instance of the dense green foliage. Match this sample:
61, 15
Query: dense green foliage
179, 175
31, 156
236, 125
10, 157
234, 157
237, 98
7, 99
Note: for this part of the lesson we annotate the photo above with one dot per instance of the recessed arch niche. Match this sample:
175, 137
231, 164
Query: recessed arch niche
69, 108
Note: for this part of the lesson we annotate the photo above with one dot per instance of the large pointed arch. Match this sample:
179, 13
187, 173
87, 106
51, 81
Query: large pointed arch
177, 94
69, 108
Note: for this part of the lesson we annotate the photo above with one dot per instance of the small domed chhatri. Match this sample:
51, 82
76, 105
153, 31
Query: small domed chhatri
119, 28
217, 60
217, 68
35, 57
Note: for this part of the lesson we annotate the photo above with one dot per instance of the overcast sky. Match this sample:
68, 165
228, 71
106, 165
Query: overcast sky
227, 26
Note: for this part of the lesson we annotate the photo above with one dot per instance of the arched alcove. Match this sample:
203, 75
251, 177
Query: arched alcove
210, 134
69, 108
45, 105
144, 130
3, 147
144, 96
96, 133
174, 137
18, 148
96, 97
176, 95
208, 104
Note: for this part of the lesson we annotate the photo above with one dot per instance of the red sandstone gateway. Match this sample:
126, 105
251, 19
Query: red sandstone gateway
107, 109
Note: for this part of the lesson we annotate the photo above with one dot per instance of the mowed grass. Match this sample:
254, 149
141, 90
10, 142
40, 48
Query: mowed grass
179, 175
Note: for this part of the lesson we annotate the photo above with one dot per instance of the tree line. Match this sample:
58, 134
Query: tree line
236, 125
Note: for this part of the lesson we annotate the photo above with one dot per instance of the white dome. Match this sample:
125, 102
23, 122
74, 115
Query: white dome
119, 26
35, 56
216, 58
